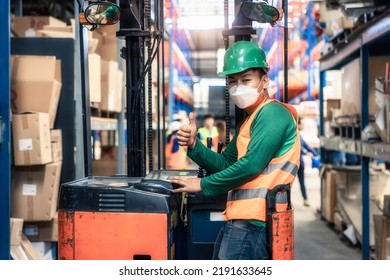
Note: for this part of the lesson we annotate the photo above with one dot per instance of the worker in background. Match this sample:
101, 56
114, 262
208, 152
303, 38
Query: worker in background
221, 127
209, 130
263, 153
305, 150
176, 155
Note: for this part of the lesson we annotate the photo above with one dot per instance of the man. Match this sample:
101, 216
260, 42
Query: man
263, 154
305, 150
209, 130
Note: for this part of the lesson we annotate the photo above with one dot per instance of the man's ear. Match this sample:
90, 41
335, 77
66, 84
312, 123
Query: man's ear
265, 81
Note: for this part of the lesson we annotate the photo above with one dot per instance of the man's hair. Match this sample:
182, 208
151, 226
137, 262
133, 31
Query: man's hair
261, 71
208, 116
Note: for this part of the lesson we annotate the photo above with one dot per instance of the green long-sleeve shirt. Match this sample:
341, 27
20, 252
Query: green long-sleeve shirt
273, 133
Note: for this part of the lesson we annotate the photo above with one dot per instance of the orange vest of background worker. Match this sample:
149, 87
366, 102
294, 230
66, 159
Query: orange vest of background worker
280, 171
176, 156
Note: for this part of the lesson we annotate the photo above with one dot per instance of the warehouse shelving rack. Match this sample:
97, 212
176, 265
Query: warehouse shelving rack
5, 134
178, 45
367, 40
62, 49
69, 110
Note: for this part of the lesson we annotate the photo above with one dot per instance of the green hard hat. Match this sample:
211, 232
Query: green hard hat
111, 11
242, 56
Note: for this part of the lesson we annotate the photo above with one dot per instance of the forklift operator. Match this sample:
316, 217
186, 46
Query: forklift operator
263, 154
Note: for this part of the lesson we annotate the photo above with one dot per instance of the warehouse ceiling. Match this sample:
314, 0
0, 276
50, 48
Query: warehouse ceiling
204, 20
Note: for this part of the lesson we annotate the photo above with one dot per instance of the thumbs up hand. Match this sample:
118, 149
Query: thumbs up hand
186, 136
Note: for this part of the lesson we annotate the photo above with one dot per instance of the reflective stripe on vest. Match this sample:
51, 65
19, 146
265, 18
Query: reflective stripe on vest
255, 193
285, 166
247, 194
248, 201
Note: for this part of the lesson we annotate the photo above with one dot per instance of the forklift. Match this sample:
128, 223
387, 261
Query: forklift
135, 215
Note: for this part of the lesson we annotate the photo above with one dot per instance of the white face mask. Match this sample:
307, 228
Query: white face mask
244, 96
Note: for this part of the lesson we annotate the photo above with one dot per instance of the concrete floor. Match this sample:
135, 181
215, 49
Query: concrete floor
315, 239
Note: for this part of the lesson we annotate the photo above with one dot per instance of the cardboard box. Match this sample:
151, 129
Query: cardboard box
66, 29
28, 248
387, 256
349, 184
31, 24
94, 66
107, 46
386, 206
32, 90
108, 29
17, 253
92, 45
112, 83
382, 233
24, 251
329, 194
56, 144
351, 84
382, 115
31, 139
42, 231
34, 191
329, 106
54, 34
107, 165
16, 225
118, 91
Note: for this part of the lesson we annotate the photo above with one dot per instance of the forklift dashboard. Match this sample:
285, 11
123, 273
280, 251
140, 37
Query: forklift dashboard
158, 181
166, 175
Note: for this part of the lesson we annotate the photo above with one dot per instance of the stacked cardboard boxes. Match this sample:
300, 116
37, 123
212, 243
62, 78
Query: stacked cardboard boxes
37, 147
29, 26
112, 85
34, 90
42, 26
111, 76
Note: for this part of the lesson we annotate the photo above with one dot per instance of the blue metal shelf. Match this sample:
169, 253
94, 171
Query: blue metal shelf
373, 33
5, 135
362, 43
377, 150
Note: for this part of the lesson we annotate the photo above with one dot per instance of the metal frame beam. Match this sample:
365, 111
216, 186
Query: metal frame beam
5, 135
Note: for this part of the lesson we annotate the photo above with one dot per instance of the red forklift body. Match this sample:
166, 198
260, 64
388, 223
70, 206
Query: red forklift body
116, 218
280, 224
113, 236
282, 236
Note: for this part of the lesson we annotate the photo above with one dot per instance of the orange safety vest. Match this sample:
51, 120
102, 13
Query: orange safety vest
248, 202
175, 160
